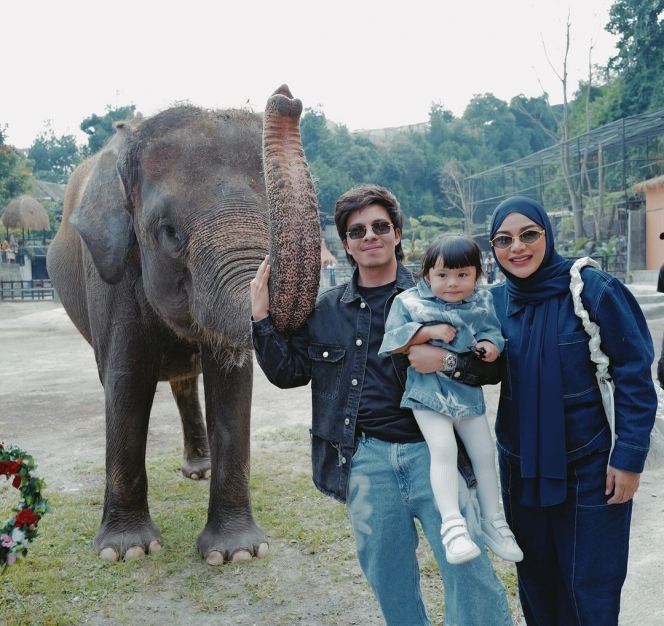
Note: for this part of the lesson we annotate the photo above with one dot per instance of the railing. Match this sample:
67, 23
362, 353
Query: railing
615, 264
39, 289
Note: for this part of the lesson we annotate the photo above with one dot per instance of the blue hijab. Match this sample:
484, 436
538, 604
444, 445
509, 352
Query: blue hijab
539, 408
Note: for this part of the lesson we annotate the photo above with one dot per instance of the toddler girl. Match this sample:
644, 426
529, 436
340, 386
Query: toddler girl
447, 309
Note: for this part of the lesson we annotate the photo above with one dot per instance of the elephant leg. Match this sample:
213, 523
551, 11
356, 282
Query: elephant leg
126, 528
231, 532
196, 456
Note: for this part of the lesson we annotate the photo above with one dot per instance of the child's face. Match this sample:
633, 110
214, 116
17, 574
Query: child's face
452, 285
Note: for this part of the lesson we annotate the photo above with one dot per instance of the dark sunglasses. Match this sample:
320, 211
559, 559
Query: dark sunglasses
360, 230
527, 236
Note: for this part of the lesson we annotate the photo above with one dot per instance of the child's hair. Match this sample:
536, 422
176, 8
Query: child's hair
456, 251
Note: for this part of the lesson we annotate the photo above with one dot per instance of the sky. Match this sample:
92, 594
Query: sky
365, 63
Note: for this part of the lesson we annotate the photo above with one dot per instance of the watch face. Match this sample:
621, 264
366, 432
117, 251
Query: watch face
450, 361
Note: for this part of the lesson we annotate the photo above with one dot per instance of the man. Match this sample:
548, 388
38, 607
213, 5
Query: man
366, 450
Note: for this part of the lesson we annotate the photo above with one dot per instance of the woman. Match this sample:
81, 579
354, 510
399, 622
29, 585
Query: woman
570, 509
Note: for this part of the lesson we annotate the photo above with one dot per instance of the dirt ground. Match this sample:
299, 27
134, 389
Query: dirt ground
52, 405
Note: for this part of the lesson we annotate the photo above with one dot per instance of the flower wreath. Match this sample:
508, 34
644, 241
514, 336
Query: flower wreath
19, 531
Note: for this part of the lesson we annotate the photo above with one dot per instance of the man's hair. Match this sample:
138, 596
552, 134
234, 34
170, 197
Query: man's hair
455, 251
360, 198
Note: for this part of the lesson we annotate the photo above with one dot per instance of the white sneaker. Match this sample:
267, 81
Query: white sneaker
499, 537
459, 547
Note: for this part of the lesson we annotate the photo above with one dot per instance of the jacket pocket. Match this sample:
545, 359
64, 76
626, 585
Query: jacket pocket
327, 364
577, 369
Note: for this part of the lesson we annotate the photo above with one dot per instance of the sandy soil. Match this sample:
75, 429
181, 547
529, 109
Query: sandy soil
52, 405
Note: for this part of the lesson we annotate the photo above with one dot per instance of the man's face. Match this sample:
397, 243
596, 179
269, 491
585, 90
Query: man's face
372, 250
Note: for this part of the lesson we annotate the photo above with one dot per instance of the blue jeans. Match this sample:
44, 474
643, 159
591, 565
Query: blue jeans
575, 553
389, 487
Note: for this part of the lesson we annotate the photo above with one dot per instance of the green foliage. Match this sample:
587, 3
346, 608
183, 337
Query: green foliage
55, 157
490, 132
577, 246
640, 59
15, 171
99, 129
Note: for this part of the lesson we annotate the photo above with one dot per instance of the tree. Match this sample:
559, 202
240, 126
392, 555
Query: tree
573, 180
99, 129
639, 25
55, 157
15, 171
316, 135
497, 125
459, 195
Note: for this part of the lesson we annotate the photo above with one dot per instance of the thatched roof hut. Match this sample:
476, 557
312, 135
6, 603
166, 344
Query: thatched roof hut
26, 213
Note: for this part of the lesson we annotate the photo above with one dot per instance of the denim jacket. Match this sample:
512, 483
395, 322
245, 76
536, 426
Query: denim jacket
625, 340
330, 350
474, 320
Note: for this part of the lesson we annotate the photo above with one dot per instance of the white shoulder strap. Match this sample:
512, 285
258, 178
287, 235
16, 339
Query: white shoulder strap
600, 359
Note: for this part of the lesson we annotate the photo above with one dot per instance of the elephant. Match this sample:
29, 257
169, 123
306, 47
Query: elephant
162, 231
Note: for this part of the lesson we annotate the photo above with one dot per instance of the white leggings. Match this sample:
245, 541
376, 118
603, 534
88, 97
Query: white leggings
438, 431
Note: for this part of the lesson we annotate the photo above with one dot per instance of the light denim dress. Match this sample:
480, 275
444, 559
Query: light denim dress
475, 320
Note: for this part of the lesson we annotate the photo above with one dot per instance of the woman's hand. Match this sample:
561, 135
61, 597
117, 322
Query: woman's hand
490, 351
426, 358
260, 295
622, 484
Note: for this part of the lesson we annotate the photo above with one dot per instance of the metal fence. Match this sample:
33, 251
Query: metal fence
615, 264
11, 290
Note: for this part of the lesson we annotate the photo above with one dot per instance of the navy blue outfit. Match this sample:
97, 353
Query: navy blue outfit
553, 436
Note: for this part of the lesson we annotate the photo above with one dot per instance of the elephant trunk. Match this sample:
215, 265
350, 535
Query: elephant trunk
293, 215
222, 263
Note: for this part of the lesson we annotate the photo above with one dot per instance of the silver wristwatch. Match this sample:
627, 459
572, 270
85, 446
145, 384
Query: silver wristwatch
449, 362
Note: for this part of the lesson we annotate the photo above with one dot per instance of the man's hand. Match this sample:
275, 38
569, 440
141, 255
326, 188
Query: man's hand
260, 296
426, 358
490, 351
443, 332
622, 484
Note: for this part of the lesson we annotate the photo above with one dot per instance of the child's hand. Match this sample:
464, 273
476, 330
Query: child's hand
442, 332
490, 351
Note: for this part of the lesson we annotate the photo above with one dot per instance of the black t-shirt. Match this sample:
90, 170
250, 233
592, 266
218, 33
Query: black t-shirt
379, 414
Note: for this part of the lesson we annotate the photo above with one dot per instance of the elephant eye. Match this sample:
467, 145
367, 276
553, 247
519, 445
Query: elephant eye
170, 232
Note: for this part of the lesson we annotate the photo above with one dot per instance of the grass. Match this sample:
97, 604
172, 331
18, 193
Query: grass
62, 581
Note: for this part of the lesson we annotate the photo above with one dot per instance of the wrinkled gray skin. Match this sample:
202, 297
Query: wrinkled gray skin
162, 233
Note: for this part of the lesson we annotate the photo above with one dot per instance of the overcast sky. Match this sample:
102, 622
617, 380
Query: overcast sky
366, 63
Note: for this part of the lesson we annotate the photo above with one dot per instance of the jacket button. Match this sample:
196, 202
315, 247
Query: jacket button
346, 421
358, 342
363, 305
353, 382
343, 460
326, 354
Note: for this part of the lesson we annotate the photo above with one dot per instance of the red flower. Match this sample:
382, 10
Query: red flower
26, 516
9, 468
16, 483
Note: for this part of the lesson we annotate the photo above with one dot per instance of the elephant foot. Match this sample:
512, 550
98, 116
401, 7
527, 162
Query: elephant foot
132, 544
235, 545
196, 466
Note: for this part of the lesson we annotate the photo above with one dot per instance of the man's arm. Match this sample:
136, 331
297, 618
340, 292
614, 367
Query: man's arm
464, 367
285, 363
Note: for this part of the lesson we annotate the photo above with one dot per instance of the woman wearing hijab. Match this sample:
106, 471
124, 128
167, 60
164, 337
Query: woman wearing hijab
568, 505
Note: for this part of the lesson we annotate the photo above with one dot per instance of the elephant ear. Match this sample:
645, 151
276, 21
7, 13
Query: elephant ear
103, 217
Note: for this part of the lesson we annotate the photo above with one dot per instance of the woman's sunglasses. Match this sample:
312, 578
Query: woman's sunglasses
527, 236
360, 230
